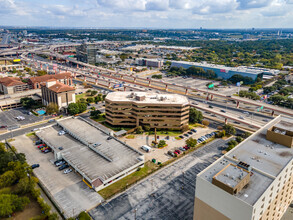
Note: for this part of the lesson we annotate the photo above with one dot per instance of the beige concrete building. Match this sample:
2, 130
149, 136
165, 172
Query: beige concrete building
11, 85
252, 181
59, 93
163, 111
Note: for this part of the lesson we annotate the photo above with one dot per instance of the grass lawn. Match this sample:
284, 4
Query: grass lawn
131, 136
132, 178
196, 125
170, 133
83, 95
30, 134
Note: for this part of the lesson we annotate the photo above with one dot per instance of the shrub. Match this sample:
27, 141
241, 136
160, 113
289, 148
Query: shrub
205, 122
84, 216
239, 139
185, 128
139, 130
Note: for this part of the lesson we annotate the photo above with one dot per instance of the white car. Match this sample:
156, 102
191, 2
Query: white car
241, 117
67, 171
61, 132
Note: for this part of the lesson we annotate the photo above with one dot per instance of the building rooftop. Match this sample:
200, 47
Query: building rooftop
45, 78
11, 81
89, 150
60, 87
244, 69
231, 175
266, 159
148, 98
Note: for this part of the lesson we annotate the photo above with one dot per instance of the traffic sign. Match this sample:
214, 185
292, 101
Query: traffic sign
211, 86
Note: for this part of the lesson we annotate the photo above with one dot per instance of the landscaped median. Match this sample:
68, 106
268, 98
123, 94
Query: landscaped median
129, 180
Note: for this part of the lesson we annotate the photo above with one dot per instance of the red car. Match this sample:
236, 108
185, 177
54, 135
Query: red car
178, 151
186, 147
41, 145
175, 152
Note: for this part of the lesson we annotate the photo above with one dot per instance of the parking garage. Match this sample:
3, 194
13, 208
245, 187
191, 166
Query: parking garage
98, 157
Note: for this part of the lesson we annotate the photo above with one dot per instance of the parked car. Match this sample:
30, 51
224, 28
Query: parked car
178, 151
41, 146
186, 135
64, 166
167, 138
181, 136
146, 148
47, 150
35, 129
194, 130
182, 149
62, 162
61, 132
38, 142
175, 152
67, 171
190, 132
222, 110
3, 126
210, 106
241, 117
35, 166
171, 153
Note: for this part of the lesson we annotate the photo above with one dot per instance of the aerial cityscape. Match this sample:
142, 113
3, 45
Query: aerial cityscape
147, 109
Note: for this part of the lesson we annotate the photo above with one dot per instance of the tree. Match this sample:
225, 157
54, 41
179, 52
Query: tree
93, 93
90, 100
139, 130
191, 142
81, 106
52, 108
7, 178
98, 98
95, 114
162, 143
84, 216
28, 102
10, 203
239, 139
73, 108
195, 116
245, 134
229, 129
185, 128
146, 128
205, 122
41, 72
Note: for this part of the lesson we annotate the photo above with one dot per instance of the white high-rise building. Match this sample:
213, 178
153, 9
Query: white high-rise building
252, 181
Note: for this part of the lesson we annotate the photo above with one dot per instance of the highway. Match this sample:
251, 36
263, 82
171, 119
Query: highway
232, 115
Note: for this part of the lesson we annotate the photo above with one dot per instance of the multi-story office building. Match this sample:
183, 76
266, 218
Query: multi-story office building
59, 93
150, 62
164, 111
86, 53
252, 181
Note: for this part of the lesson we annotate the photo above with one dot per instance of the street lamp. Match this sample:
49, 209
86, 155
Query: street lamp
135, 210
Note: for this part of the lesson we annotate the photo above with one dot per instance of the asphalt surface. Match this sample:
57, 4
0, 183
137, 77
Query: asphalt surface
22, 131
8, 118
167, 194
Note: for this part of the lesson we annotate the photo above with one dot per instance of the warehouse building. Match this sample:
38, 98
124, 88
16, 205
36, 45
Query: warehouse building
163, 111
223, 72
252, 181
97, 156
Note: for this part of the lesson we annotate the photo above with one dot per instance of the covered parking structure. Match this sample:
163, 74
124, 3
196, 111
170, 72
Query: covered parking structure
98, 157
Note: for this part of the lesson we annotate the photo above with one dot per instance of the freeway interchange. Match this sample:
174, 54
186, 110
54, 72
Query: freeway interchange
230, 109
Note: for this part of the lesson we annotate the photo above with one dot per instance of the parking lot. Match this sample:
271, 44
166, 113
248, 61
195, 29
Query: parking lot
162, 154
8, 118
168, 194
68, 190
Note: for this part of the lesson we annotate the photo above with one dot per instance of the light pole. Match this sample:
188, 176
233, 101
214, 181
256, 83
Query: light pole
183, 179
135, 210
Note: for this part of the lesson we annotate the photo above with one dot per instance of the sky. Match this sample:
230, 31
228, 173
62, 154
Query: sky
148, 13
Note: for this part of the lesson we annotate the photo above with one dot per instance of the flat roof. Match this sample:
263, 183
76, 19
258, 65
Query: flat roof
231, 175
267, 160
87, 161
150, 98
244, 69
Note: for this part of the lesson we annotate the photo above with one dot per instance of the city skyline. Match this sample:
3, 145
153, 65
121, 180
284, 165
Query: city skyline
149, 13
